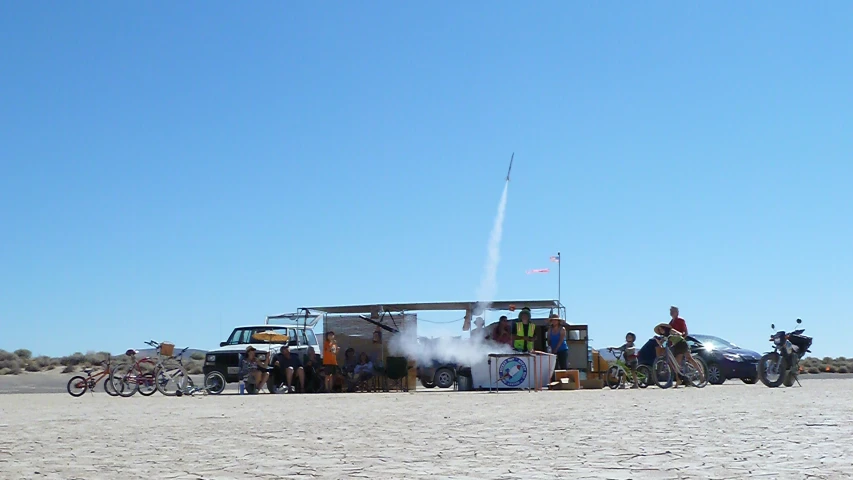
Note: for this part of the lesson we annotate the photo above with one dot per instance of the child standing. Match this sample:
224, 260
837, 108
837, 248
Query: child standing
330, 360
631, 358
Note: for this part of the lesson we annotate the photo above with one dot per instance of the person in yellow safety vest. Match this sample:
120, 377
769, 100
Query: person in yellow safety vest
524, 331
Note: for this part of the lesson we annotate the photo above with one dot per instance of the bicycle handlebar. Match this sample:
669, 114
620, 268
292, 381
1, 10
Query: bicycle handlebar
152, 343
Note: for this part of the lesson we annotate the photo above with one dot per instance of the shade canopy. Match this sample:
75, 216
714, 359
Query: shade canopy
437, 306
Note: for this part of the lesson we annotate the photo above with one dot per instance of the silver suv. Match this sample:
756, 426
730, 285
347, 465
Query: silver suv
222, 365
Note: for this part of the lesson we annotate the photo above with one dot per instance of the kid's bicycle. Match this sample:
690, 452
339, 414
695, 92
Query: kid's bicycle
78, 385
618, 375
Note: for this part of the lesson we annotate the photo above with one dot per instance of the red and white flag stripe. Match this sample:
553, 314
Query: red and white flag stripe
538, 270
555, 259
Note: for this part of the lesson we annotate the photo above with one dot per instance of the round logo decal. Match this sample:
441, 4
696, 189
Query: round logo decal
513, 371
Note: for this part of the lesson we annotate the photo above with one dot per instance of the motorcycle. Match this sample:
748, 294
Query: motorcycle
782, 365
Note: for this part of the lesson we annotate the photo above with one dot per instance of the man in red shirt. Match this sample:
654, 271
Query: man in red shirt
678, 323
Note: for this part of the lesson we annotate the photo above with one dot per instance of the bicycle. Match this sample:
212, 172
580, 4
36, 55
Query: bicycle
137, 376
618, 375
78, 385
662, 369
172, 379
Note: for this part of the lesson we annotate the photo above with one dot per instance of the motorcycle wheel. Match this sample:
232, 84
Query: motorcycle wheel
776, 360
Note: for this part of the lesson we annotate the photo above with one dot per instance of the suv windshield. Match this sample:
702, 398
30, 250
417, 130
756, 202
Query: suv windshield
714, 343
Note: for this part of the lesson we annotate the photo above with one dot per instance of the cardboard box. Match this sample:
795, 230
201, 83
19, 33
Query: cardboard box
563, 384
592, 383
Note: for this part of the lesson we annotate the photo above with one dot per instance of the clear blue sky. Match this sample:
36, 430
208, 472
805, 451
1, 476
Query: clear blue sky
169, 170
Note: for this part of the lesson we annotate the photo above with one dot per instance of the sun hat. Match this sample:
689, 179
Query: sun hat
555, 316
250, 349
659, 330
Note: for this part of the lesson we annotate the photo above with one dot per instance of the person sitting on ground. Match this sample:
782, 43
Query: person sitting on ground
350, 362
313, 368
524, 332
253, 371
631, 358
364, 370
502, 334
557, 341
330, 359
289, 365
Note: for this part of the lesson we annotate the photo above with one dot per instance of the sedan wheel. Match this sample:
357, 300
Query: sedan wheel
715, 375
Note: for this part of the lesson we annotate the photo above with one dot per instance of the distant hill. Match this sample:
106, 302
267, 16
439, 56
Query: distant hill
150, 352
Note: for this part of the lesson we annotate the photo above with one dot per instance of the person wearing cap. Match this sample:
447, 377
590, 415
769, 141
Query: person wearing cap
557, 341
502, 334
524, 332
253, 371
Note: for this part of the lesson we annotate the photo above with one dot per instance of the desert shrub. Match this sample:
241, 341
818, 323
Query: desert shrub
830, 369
843, 369
45, 362
811, 362
24, 354
14, 371
842, 359
197, 356
194, 368
4, 371
32, 367
4, 355
827, 359
10, 361
814, 370
73, 360
92, 358
69, 369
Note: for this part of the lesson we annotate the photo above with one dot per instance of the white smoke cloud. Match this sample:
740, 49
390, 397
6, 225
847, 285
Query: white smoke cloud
447, 350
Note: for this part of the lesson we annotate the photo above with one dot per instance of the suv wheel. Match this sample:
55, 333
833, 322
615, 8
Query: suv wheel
444, 378
215, 382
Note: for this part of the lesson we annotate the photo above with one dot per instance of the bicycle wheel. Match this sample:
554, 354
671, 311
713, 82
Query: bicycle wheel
108, 387
171, 380
662, 373
77, 386
614, 377
124, 381
696, 378
147, 384
644, 374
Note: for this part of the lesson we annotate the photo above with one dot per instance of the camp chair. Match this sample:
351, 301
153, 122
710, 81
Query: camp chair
397, 370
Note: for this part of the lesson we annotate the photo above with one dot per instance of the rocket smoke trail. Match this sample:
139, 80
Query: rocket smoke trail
488, 283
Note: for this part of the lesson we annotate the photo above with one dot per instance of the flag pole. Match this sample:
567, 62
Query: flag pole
559, 275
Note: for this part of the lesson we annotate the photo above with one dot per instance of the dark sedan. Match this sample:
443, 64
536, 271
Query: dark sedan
725, 360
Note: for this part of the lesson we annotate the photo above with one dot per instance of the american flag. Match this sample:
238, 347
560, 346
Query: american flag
538, 270
555, 259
